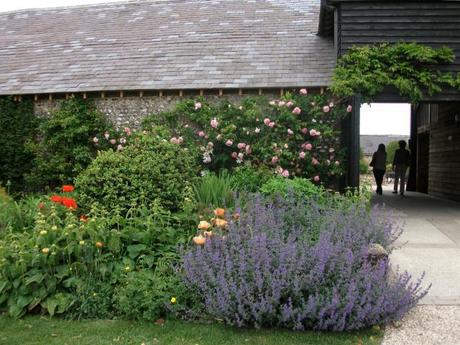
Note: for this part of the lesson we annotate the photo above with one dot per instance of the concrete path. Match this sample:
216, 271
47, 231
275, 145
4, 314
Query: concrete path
431, 244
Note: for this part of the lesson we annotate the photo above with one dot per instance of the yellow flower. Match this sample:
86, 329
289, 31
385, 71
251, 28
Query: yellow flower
54, 227
204, 225
81, 243
199, 240
127, 268
173, 300
45, 250
43, 232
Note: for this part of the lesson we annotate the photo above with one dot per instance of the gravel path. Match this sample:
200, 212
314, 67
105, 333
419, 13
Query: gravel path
426, 325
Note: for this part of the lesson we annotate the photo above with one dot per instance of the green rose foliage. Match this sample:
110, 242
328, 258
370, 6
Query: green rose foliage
297, 135
18, 124
148, 169
408, 67
65, 147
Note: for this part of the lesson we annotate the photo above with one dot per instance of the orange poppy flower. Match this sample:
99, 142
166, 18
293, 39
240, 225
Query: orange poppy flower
67, 188
219, 212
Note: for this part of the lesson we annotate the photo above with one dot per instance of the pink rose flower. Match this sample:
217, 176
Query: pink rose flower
285, 173
337, 163
304, 130
313, 132
308, 146
290, 132
257, 130
303, 91
219, 137
349, 109
302, 155
180, 140
122, 141
289, 104
234, 155
331, 104
296, 111
106, 136
113, 141
286, 146
173, 140
119, 147
214, 123
229, 143
281, 103
326, 109
316, 178
95, 140
331, 150
271, 124
266, 121
314, 161
201, 134
274, 160
241, 145
248, 150
197, 105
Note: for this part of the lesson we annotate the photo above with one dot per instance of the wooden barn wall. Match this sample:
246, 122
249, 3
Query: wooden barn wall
444, 152
434, 23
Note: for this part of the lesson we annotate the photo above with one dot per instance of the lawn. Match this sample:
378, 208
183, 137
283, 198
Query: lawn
51, 331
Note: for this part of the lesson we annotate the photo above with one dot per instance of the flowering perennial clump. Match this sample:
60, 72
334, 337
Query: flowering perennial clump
290, 264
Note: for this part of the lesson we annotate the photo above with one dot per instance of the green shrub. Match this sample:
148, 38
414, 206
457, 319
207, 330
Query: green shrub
214, 190
300, 188
249, 179
18, 125
65, 145
17, 215
149, 169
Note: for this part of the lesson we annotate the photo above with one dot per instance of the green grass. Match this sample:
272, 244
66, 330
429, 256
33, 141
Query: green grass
35, 330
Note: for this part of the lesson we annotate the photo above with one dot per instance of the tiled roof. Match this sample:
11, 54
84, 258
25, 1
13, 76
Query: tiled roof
164, 44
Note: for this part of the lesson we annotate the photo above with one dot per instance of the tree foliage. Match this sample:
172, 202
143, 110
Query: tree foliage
409, 67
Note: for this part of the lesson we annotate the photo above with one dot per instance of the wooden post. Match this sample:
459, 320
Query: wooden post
221, 92
50, 97
260, 92
66, 96
281, 92
161, 93
35, 98
201, 93
102, 94
240, 92
353, 161
84, 95
321, 90
141, 94
181, 93
121, 94
412, 180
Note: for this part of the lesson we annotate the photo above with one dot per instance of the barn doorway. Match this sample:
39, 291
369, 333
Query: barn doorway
382, 123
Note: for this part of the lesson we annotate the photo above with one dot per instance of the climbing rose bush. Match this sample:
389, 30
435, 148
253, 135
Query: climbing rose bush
296, 135
291, 264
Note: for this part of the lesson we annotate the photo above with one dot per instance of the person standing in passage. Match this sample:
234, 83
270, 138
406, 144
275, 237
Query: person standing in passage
378, 163
400, 164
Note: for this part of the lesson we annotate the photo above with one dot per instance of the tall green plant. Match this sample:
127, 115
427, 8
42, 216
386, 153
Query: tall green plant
214, 190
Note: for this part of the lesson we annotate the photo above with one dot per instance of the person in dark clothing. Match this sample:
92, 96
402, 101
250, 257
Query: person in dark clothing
400, 164
378, 163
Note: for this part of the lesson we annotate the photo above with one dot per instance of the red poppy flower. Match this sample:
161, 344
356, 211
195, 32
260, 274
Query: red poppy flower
69, 203
67, 188
56, 198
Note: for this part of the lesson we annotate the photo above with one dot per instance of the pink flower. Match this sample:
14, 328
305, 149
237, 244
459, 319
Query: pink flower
296, 111
122, 141
290, 132
257, 130
201, 134
234, 155
241, 145
113, 141
308, 146
303, 91
266, 121
248, 150
349, 109
229, 143
119, 147
289, 104
180, 140
281, 103
331, 150
272, 103
271, 124
314, 161
174, 140
106, 136
95, 140
316, 178
337, 163
313, 132
127, 130
326, 109
214, 123
302, 155
285, 173
331, 104
304, 130
197, 105
219, 137
274, 160
286, 146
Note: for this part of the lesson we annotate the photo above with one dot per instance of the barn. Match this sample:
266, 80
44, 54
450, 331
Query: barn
135, 58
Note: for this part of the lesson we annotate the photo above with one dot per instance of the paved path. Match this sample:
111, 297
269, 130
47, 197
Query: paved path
431, 244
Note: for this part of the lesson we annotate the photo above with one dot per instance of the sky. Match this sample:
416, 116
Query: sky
385, 118
9, 5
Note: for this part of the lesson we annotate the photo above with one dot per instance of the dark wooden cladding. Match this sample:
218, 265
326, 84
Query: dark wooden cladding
444, 148
434, 23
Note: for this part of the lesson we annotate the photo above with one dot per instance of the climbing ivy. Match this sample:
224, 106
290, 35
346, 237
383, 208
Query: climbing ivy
17, 125
409, 67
